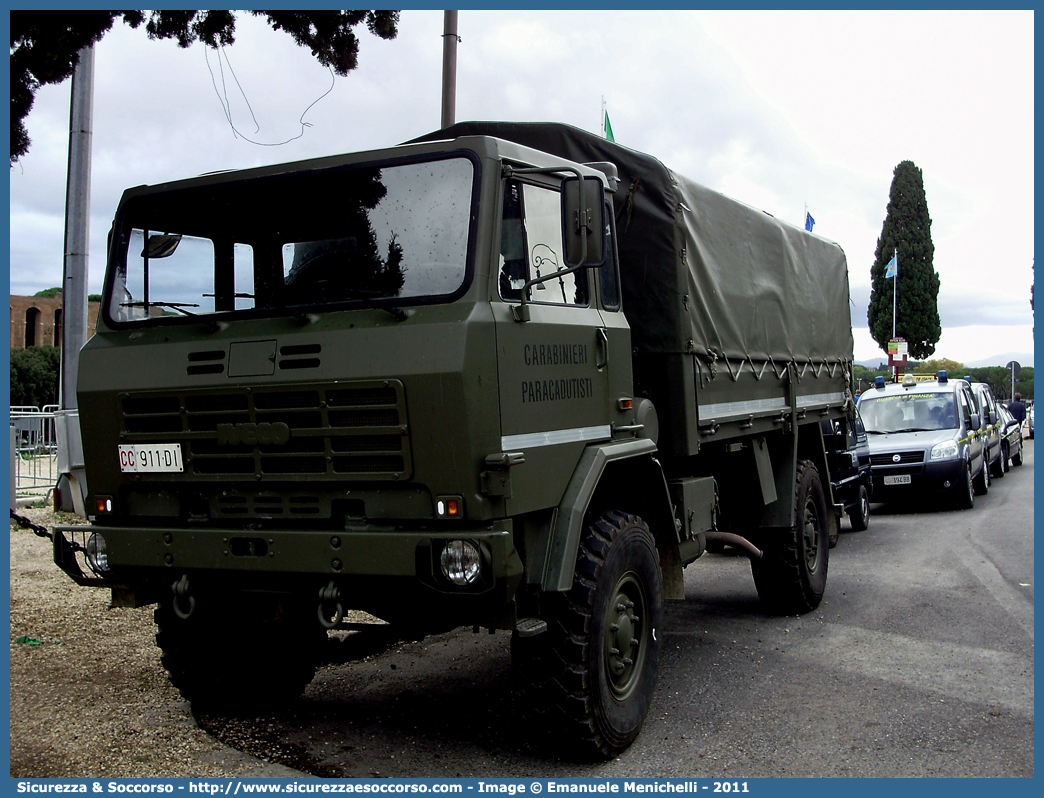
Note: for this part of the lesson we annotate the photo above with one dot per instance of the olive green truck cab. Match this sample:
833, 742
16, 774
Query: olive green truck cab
509, 376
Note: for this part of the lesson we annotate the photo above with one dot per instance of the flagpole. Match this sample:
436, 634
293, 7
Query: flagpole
895, 287
602, 122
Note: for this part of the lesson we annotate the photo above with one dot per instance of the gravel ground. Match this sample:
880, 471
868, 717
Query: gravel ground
92, 700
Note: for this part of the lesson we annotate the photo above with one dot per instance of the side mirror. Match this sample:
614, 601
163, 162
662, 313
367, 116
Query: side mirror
160, 246
975, 422
583, 221
993, 416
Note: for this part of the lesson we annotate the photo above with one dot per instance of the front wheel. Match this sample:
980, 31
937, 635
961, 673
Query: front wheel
588, 680
239, 653
791, 574
982, 482
859, 515
997, 472
965, 491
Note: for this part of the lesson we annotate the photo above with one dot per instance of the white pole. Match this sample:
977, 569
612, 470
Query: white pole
449, 68
895, 287
77, 225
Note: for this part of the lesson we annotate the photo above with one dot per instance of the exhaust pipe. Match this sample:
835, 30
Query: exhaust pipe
738, 541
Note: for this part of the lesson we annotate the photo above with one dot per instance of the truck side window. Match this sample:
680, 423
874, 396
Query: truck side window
531, 246
512, 245
609, 285
542, 212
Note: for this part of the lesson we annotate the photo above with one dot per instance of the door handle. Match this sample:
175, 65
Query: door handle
602, 347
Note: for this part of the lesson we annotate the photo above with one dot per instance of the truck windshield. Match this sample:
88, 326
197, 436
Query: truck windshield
908, 412
321, 237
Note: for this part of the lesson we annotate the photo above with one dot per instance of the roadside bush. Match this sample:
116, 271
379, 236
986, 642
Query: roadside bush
34, 375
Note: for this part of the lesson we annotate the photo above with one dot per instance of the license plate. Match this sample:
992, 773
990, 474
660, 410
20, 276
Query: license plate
151, 458
898, 479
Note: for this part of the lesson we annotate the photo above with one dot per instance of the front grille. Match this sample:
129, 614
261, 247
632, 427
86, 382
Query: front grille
274, 505
347, 432
904, 458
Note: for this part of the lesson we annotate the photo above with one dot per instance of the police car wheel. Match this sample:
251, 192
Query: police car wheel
982, 482
1016, 459
999, 467
965, 492
859, 515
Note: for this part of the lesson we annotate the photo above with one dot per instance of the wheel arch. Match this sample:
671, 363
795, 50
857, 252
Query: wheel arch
619, 475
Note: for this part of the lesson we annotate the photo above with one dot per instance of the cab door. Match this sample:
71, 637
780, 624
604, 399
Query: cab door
554, 397
618, 331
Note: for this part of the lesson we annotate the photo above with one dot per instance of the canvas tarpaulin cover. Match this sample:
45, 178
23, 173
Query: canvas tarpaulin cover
703, 273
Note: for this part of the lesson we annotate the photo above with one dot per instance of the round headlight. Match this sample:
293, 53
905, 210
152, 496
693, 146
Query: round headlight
460, 562
97, 555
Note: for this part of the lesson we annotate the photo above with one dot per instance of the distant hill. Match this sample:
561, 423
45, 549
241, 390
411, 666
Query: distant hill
1024, 359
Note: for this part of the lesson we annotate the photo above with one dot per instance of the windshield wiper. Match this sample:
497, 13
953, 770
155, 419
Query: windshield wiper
178, 306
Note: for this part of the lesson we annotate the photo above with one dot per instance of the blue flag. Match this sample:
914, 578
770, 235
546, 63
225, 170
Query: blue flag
892, 269
809, 221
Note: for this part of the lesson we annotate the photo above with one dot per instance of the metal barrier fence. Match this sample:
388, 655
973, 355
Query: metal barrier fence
35, 455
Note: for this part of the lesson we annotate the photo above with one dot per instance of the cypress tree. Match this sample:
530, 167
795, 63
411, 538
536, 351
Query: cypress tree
907, 230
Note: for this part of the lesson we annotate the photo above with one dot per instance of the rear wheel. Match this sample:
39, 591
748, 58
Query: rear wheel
859, 515
240, 655
588, 680
791, 575
1016, 459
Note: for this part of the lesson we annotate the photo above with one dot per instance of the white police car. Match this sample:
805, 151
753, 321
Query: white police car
924, 439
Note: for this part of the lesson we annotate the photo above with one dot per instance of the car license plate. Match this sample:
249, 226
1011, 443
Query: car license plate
898, 479
151, 458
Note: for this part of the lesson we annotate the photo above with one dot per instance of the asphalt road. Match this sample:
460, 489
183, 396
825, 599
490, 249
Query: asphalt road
919, 662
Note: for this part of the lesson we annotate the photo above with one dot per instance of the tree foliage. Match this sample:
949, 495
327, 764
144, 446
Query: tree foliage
45, 44
907, 231
34, 375
999, 380
951, 367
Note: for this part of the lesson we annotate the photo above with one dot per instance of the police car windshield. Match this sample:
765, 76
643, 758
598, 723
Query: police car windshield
301, 239
908, 412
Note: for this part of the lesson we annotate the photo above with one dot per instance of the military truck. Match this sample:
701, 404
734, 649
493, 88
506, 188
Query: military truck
510, 376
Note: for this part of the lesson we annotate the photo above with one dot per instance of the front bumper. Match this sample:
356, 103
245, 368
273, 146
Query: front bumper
933, 476
361, 560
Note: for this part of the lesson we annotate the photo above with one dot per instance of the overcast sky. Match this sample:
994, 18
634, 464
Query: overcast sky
777, 109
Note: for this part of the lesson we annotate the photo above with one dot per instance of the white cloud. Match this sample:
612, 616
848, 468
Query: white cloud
775, 108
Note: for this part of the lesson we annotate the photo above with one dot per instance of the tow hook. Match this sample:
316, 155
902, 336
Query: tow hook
330, 609
184, 601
